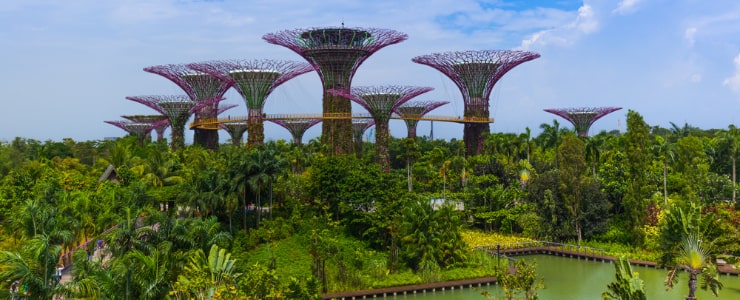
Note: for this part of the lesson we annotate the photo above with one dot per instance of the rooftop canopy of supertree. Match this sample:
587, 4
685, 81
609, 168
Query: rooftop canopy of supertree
411, 112
200, 87
120, 124
236, 131
582, 117
381, 102
336, 53
177, 108
254, 80
140, 130
358, 130
475, 72
359, 126
148, 101
297, 127
151, 119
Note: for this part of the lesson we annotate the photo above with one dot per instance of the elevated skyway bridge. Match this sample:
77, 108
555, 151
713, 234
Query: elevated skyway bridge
213, 123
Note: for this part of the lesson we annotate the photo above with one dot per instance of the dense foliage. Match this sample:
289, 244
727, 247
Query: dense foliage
285, 221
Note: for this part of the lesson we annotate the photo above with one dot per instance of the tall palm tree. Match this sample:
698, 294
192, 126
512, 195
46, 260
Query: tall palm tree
666, 151
694, 258
264, 167
594, 145
150, 271
204, 191
731, 137
237, 176
525, 140
127, 235
550, 137
36, 264
679, 132
207, 232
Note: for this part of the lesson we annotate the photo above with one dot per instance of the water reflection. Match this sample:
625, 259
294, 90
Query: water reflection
567, 278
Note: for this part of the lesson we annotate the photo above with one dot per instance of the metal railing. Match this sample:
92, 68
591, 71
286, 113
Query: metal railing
544, 246
213, 122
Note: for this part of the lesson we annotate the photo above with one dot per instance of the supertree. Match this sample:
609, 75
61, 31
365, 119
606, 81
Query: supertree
236, 131
358, 129
254, 80
159, 123
582, 117
297, 127
200, 87
139, 130
475, 73
381, 102
336, 53
411, 112
177, 108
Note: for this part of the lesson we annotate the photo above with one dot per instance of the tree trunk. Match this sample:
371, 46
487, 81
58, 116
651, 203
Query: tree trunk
734, 189
382, 139
408, 173
665, 183
258, 207
692, 285
245, 209
271, 200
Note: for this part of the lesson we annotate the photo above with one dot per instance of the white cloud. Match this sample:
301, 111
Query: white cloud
689, 35
626, 7
586, 22
734, 82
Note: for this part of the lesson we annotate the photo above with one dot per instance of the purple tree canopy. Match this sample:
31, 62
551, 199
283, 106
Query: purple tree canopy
476, 72
381, 101
582, 117
253, 79
199, 86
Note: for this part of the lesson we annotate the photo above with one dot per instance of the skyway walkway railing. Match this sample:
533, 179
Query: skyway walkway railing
212, 123
543, 247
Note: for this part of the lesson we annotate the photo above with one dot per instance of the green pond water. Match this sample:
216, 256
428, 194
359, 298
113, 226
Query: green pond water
569, 278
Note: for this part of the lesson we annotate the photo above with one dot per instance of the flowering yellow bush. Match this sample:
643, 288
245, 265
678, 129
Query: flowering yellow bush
474, 238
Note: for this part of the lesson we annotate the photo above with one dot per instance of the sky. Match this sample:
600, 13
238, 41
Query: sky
68, 65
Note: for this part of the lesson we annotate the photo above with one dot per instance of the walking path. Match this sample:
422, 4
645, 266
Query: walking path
575, 251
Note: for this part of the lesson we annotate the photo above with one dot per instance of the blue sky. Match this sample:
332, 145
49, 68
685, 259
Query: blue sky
68, 65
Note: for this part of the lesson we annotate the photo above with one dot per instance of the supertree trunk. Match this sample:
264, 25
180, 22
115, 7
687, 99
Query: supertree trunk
206, 138
473, 132
411, 131
178, 136
236, 132
358, 129
382, 138
337, 132
255, 127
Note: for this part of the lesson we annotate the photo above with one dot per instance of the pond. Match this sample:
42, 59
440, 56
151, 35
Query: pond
568, 278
